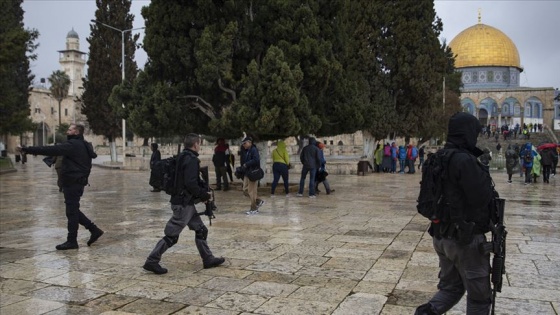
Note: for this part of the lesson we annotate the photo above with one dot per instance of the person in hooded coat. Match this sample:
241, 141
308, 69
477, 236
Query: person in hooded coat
467, 193
546, 161
378, 160
511, 162
537, 166
156, 157
527, 156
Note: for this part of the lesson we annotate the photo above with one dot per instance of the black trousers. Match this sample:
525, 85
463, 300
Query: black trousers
72, 195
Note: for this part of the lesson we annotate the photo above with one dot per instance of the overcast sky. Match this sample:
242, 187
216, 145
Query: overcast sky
532, 25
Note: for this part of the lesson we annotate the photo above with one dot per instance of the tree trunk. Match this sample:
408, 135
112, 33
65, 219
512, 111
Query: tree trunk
113, 149
369, 145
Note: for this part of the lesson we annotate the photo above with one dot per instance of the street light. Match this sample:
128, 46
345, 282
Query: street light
43, 142
123, 76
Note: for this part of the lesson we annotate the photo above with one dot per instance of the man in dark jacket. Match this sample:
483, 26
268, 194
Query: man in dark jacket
546, 162
156, 157
250, 160
184, 212
74, 172
310, 157
467, 194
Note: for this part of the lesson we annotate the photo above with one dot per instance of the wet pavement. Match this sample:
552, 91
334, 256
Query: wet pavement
360, 250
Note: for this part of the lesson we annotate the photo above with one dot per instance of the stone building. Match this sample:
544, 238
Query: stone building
490, 68
46, 112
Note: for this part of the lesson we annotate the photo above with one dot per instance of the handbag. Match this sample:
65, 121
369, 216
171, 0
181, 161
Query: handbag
255, 174
321, 176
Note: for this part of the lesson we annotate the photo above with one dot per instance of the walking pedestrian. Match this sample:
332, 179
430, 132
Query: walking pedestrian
466, 195
511, 162
527, 157
546, 162
322, 173
249, 161
193, 190
76, 166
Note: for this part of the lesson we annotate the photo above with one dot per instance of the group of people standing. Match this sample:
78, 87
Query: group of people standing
387, 158
532, 162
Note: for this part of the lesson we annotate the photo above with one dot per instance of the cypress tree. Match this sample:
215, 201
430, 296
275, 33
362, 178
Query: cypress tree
16, 50
104, 67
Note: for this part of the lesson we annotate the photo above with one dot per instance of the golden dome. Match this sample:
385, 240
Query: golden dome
483, 45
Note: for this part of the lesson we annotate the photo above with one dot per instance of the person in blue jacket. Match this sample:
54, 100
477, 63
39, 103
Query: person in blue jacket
527, 155
402, 158
394, 157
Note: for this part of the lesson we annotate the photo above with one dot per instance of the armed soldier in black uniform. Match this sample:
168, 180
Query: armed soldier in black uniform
459, 236
192, 190
74, 173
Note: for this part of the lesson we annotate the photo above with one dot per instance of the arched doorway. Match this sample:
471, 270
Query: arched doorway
483, 117
41, 134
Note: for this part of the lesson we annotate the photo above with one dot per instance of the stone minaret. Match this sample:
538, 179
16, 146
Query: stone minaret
73, 62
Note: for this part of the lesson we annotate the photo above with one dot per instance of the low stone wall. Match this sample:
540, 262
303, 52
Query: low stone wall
342, 160
334, 166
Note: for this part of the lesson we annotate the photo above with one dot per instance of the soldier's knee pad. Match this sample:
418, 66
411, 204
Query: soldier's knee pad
171, 240
201, 233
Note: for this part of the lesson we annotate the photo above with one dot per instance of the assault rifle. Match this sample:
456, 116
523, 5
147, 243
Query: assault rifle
497, 246
210, 204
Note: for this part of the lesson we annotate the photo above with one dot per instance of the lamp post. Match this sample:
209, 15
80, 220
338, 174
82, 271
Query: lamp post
52, 119
43, 142
122, 74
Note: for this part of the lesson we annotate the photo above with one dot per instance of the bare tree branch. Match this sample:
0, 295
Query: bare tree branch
199, 103
229, 91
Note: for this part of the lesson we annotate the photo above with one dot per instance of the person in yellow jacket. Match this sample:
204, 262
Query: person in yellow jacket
280, 167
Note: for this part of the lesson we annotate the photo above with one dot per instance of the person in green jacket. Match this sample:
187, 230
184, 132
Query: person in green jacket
378, 158
536, 169
280, 167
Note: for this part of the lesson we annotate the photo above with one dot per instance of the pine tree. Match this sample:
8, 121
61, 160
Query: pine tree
16, 51
104, 67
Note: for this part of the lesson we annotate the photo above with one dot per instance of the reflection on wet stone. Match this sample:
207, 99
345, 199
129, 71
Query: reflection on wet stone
362, 250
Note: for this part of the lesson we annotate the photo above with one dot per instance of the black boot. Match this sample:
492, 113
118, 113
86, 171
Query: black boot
425, 309
67, 245
213, 262
155, 268
95, 234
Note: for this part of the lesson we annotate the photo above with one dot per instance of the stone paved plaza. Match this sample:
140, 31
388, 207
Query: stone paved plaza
361, 250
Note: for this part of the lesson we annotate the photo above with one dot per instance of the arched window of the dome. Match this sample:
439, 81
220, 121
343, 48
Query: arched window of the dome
490, 105
508, 106
468, 105
533, 107
505, 109
483, 116
517, 109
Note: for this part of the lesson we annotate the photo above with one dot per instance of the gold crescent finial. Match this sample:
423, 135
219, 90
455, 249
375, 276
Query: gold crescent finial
479, 15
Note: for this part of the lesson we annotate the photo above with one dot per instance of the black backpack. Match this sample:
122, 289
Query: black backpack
166, 175
528, 155
430, 198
